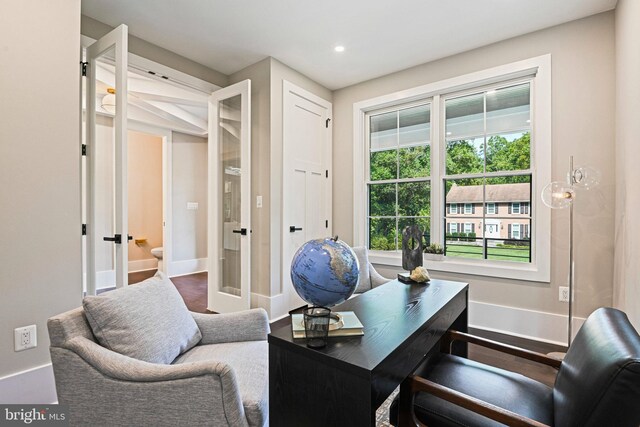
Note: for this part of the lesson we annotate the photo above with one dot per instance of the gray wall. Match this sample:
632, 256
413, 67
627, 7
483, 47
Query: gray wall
259, 74
583, 79
627, 271
96, 29
189, 184
39, 172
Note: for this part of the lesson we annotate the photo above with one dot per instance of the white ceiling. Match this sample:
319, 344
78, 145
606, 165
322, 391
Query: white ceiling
380, 37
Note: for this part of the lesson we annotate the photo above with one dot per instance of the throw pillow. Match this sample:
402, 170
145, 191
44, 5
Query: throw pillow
148, 321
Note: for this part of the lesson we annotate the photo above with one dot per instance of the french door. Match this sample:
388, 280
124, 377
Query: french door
106, 161
229, 210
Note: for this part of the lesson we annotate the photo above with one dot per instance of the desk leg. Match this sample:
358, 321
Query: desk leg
461, 324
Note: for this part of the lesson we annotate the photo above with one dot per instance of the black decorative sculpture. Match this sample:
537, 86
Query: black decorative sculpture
411, 247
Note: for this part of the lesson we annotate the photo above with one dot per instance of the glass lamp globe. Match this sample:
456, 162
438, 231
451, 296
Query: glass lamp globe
585, 177
558, 195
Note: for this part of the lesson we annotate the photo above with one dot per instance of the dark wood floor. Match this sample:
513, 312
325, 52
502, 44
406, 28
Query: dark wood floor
193, 289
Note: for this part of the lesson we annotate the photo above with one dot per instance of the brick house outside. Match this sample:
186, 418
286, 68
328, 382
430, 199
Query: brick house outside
506, 212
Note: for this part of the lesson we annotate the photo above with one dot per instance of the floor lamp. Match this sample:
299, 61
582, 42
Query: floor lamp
560, 195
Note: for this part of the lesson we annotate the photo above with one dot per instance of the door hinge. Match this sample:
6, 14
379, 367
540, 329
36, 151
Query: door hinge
84, 149
326, 173
84, 68
84, 229
326, 223
327, 123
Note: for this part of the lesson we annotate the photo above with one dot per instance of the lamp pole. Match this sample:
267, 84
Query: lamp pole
572, 178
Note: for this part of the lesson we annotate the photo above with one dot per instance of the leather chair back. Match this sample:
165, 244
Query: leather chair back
598, 383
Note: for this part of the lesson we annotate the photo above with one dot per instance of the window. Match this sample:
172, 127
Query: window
399, 174
436, 154
515, 231
487, 145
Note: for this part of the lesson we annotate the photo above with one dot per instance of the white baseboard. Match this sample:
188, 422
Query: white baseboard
530, 324
143, 264
189, 266
36, 385
275, 306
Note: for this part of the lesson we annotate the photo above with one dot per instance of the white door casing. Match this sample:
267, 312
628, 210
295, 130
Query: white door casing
229, 199
112, 46
306, 187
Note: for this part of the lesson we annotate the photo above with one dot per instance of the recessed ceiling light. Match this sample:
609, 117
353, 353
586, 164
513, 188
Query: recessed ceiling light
339, 48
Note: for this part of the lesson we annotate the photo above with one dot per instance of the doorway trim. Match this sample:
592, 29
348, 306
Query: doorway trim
167, 201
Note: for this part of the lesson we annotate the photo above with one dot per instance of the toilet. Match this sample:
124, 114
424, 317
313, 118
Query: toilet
157, 252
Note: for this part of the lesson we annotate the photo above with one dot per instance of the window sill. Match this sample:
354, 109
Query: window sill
506, 270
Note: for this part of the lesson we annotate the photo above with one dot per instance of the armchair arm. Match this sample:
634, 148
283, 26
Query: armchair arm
377, 279
534, 356
249, 325
414, 384
99, 384
125, 368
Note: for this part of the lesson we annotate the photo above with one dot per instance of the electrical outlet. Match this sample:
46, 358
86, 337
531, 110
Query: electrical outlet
563, 294
25, 337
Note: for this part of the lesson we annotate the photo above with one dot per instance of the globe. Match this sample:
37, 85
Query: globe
325, 272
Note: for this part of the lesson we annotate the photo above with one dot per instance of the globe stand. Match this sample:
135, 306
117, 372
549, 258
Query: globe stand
335, 322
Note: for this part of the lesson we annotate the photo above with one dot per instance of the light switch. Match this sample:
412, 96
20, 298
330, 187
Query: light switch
192, 206
258, 201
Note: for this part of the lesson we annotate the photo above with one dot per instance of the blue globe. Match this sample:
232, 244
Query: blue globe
325, 272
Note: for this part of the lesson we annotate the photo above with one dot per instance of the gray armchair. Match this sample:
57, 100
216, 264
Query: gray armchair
369, 277
222, 380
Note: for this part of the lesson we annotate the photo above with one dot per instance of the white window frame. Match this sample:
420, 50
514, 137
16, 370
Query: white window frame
451, 208
513, 208
539, 67
468, 211
493, 210
468, 227
451, 227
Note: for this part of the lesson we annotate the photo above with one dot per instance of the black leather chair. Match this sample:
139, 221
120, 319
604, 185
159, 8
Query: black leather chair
597, 384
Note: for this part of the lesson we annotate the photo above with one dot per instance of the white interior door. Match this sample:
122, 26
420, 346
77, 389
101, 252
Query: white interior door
106, 164
306, 189
229, 224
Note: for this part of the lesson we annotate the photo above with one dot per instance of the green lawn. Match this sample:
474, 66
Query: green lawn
497, 253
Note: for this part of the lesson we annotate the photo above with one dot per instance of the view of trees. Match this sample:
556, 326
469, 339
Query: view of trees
393, 206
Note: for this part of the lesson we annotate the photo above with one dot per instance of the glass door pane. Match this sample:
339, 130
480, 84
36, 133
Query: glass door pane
229, 225
105, 174
229, 136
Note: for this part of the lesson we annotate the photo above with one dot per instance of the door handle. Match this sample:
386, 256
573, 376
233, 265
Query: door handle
242, 231
293, 229
117, 239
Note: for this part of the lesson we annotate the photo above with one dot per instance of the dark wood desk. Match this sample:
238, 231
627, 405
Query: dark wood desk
344, 383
